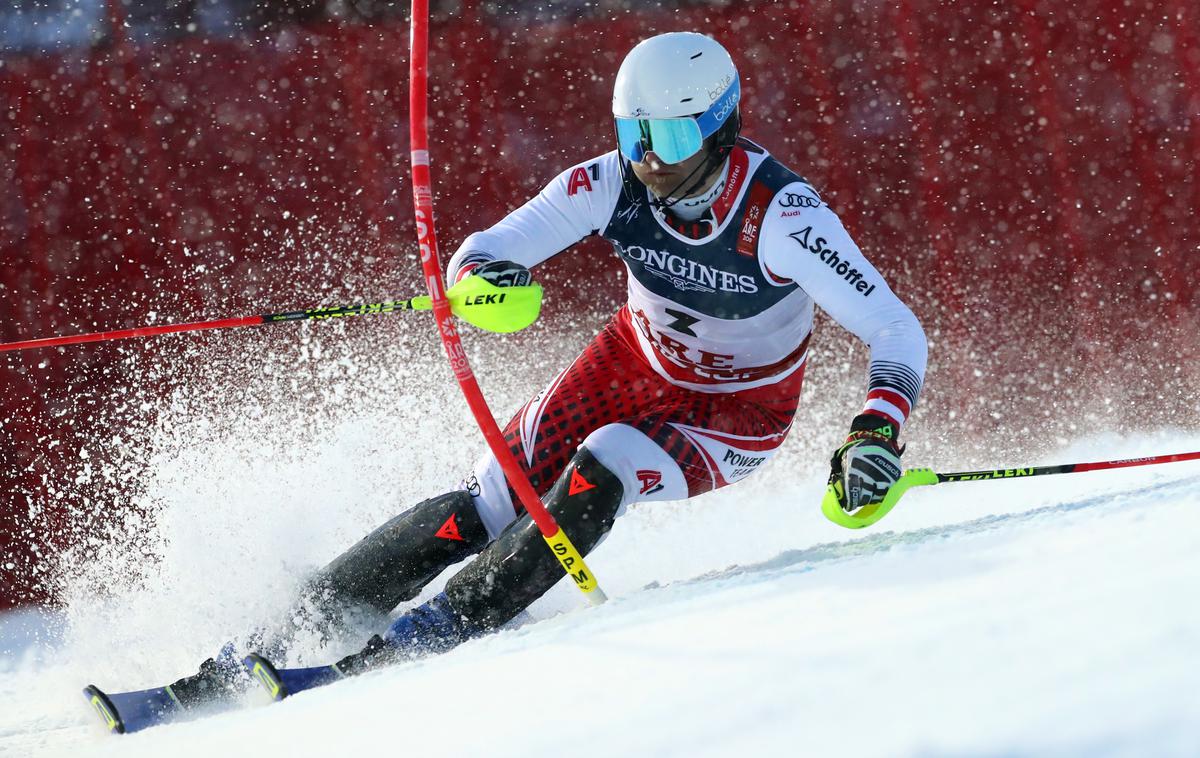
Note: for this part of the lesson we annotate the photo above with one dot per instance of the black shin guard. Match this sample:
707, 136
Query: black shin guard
518, 567
392, 563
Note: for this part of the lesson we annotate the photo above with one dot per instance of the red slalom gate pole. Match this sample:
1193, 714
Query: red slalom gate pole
572, 562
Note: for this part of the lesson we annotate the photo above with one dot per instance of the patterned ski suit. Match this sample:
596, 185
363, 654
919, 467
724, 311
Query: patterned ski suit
693, 383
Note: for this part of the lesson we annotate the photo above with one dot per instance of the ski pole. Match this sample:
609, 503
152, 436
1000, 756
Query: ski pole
475, 300
566, 553
919, 477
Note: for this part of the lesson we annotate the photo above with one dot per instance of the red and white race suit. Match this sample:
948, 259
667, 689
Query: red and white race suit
694, 382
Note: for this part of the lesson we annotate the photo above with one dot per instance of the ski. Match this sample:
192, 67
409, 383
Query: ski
126, 712
280, 682
206, 692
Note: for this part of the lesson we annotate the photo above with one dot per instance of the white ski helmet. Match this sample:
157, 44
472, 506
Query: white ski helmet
672, 92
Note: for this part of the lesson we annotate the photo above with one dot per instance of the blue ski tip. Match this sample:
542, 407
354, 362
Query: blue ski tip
104, 707
263, 672
280, 682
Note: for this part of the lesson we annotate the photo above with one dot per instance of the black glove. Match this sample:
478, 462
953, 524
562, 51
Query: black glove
867, 464
503, 273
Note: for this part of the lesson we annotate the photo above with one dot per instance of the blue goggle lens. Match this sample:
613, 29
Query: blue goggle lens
672, 139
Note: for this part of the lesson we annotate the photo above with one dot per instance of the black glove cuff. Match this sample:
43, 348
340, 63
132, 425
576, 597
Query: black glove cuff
868, 426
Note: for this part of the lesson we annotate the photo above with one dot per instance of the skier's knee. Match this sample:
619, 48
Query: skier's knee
645, 470
586, 499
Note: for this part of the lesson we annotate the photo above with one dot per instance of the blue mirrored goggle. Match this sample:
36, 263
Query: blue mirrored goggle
675, 139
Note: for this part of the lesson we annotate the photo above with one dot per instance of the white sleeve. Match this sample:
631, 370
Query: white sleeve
804, 241
577, 203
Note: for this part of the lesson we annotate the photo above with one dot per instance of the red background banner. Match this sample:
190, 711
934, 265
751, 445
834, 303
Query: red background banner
1026, 174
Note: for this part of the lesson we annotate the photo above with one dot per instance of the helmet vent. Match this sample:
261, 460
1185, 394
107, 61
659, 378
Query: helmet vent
687, 100
697, 55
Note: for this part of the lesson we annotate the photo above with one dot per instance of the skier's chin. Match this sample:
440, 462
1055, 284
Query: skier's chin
667, 189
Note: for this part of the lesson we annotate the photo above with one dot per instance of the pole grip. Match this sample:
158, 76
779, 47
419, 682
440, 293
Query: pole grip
831, 505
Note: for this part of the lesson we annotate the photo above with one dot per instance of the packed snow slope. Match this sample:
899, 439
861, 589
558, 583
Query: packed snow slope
1051, 616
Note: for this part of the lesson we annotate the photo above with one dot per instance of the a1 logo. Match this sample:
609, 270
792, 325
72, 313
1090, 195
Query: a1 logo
651, 481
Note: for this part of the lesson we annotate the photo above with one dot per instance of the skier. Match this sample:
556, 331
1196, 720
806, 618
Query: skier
691, 386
